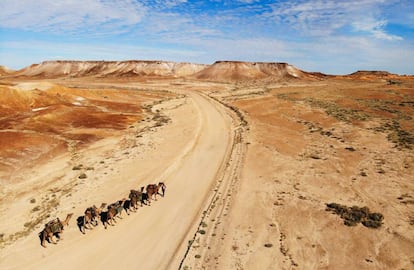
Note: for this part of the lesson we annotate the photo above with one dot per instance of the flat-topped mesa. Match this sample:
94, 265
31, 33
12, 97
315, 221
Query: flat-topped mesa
372, 75
240, 71
71, 68
220, 71
372, 72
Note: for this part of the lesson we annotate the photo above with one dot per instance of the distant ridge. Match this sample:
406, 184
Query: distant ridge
373, 74
63, 68
220, 71
242, 71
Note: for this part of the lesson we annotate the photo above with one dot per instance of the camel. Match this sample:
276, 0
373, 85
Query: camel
89, 218
135, 196
105, 216
118, 206
54, 227
144, 197
163, 188
128, 206
152, 189
113, 210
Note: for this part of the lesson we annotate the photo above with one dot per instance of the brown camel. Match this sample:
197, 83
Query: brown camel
152, 189
54, 227
135, 196
114, 210
90, 218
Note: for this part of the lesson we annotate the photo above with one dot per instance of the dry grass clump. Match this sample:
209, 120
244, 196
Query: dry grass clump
331, 108
397, 135
354, 215
341, 114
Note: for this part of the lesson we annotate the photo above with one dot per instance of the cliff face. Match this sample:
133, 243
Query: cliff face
221, 71
52, 69
240, 71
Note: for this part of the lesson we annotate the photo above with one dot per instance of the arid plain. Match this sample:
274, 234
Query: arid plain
251, 154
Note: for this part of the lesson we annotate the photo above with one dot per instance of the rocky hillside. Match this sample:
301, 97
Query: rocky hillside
240, 71
220, 71
54, 69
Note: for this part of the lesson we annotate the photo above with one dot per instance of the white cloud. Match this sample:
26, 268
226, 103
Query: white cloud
173, 3
73, 15
248, 1
375, 27
326, 17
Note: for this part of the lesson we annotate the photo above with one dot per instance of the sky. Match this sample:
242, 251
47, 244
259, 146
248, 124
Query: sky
329, 36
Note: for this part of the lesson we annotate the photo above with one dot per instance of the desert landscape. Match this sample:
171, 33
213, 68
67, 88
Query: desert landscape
266, 166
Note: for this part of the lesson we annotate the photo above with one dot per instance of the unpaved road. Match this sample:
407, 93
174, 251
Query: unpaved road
188, 159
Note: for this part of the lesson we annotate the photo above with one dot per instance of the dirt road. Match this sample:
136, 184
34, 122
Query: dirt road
187, 155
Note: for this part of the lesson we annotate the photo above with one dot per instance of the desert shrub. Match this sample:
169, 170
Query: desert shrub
36, 208
77, 167
354, 215
371, 223
400, 137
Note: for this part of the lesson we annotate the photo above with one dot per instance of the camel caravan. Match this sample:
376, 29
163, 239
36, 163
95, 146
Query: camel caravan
107, 214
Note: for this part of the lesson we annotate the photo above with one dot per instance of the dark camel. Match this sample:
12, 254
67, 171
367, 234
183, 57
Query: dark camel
163, 188
144, 197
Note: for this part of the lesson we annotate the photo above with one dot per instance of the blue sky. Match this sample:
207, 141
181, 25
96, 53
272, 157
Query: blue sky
334, 37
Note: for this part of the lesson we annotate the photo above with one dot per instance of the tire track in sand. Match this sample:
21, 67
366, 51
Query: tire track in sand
218, 203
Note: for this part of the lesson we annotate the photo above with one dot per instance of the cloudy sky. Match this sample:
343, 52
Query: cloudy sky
330, 36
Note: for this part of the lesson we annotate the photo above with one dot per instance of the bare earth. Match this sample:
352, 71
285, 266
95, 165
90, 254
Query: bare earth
249, 169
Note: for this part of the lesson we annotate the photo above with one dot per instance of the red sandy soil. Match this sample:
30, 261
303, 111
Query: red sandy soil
37, 122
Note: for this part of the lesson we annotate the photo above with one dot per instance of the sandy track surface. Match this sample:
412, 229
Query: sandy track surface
188, 155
